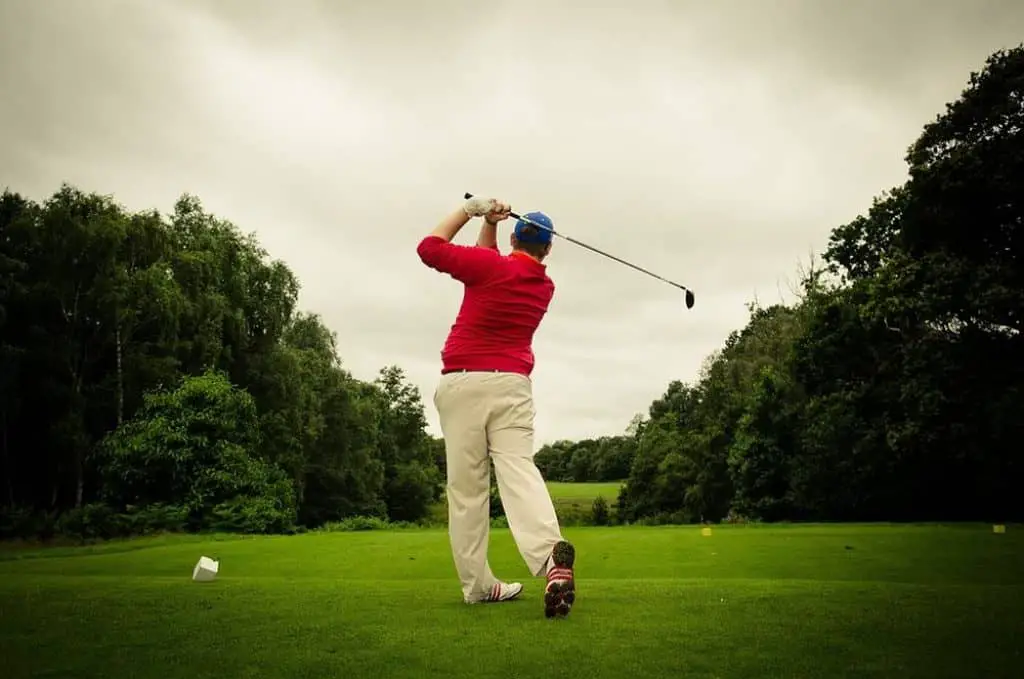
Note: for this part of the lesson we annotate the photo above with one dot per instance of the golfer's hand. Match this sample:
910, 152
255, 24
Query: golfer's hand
478, 207
489, 208
499, 212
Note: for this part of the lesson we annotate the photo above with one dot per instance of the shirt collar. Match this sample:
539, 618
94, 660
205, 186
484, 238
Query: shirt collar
522, 255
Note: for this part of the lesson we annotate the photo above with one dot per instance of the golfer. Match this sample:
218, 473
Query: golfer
484, 400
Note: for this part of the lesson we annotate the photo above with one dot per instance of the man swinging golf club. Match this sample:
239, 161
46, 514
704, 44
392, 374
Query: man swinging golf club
484, 400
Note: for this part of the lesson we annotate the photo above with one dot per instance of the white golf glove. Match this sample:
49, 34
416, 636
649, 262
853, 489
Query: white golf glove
478, 207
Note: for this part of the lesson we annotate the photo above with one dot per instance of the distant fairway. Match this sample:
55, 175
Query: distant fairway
746, 602
564, 495
584, 493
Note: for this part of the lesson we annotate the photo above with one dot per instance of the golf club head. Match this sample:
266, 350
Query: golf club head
689, 299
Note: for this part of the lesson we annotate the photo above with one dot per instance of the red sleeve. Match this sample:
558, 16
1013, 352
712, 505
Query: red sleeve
469, 264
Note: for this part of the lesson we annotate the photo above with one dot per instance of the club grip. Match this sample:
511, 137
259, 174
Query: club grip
513, 215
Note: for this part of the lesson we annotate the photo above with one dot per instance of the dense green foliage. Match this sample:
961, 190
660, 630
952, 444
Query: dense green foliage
603, 459
894, 389
157, 368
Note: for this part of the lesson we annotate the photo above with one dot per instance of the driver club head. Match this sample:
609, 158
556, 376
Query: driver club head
689, 299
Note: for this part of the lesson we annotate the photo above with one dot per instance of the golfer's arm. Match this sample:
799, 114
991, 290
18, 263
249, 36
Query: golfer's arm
451, 225
488, 237
471, 265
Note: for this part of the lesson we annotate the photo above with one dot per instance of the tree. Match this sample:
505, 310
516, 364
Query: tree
602, 459
939, 309
195, 448
411, 479
761, 452
497, 507
17, 216
101, 307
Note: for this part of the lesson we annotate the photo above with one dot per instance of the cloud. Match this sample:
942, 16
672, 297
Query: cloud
713, 143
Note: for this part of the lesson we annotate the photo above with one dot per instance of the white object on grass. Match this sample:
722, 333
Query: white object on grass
205, 570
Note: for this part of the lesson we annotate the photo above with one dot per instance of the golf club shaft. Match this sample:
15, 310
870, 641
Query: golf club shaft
595, 250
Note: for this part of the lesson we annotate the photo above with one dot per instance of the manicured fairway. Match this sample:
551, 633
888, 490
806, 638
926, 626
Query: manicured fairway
757, 602
584, 492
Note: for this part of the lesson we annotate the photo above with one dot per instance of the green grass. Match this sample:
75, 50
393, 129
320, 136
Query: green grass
564, 495
584, 493
798, 601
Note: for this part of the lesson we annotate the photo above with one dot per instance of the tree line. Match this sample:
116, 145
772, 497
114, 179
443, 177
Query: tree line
894, 388
155, 372
607, 458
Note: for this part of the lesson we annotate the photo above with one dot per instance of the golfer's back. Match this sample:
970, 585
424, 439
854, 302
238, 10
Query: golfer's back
495, 326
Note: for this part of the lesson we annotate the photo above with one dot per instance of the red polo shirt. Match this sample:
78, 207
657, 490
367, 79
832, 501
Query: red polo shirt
506, 296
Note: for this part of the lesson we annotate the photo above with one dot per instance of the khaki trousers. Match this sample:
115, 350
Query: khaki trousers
490, 414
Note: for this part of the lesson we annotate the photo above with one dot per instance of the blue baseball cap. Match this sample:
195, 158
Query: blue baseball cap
542, 236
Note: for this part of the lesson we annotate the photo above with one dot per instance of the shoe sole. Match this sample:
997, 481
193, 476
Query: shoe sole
560, 596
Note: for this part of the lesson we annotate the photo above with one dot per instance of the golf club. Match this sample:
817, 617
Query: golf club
689, 293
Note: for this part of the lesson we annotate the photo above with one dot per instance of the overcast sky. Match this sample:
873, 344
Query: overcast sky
714, 143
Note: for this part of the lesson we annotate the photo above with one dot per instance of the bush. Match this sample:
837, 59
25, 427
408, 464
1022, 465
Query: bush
194, 447
91, 522
95, 521
573, 515
13, 522
156, 518
677, 518
259, 515
363, 523
98, 521
497, 508
21, 523
410, 492
599, 512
